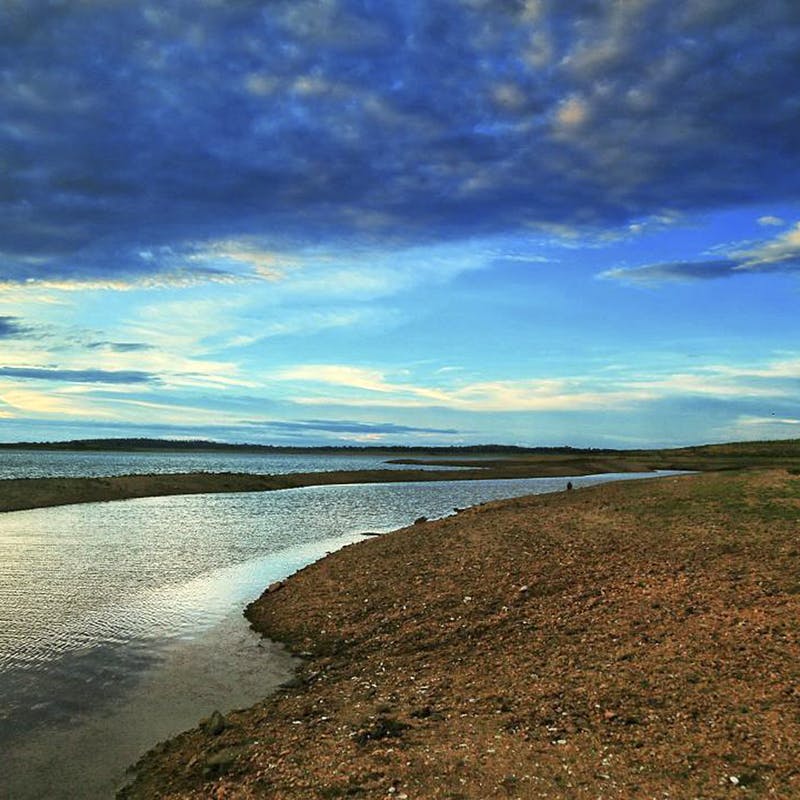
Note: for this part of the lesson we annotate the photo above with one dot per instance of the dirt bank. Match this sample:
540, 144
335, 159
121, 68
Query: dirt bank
625, 641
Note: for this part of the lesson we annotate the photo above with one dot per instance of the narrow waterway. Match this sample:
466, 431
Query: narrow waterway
121, 623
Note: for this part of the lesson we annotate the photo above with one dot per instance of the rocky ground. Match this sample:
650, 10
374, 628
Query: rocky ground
633, 640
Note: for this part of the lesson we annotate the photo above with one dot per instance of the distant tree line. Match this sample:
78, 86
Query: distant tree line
183, 445
763, 449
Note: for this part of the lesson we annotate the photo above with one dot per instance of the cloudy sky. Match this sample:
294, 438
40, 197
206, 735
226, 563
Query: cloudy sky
400, 221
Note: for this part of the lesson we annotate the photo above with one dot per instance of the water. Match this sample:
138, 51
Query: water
107, 607
58, 464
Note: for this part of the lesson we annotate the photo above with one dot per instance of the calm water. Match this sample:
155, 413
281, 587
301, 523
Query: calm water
44, 464
100, 600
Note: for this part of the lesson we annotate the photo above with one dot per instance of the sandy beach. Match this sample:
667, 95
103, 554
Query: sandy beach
630, 640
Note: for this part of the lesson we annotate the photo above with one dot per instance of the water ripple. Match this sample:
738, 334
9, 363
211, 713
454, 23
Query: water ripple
90, 594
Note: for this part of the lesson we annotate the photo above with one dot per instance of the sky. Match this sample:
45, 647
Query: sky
438, 222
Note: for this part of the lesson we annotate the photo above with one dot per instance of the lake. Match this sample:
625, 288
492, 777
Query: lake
121, 624
102, 464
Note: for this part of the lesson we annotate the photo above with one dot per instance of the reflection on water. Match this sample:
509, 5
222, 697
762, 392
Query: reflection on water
76, 664
85, 757
93, 598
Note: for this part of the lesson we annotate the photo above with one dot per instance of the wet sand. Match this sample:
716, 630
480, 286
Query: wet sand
628, 640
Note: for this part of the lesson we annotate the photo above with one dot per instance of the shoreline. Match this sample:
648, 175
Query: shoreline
639, 634
18, 494
21, 494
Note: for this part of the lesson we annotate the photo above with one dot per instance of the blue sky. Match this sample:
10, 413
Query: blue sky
515, 221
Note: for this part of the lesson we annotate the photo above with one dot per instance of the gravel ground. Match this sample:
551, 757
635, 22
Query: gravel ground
633, 640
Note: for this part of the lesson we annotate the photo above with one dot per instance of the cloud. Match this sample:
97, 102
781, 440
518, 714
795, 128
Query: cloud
572, 114
61, 424
351, 427
339, 375
777, 255
30, 401
673, 271
777, 425
128, 129
78, 375
120, 347
785, 368
781, 254
712, 383
54, 275
346, 385
11, 326
770, 221
758, 421
370, 388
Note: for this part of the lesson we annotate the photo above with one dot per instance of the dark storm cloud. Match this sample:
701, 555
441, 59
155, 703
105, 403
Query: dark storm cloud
78, 375
11, 326
130, 131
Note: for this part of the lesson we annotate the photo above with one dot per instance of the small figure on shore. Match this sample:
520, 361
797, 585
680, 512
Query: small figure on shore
569, 486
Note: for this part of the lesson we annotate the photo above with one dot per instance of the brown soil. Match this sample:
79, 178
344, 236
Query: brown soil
634, 640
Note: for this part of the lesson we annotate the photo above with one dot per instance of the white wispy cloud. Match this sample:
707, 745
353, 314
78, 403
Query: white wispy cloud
176, 279
760, 421
781, 368
358, 386
245, 257
503, 395
781, 251
708, 384
34, 402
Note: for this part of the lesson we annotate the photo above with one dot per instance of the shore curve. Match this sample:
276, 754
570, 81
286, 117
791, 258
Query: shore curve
629, 640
